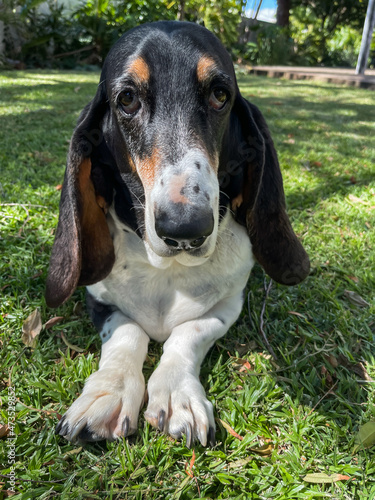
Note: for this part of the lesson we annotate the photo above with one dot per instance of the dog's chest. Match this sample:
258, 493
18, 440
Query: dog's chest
159, 299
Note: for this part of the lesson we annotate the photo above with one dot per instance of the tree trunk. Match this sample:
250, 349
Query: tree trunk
282, 13
181, 10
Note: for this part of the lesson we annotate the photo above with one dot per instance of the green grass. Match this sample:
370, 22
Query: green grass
325, 137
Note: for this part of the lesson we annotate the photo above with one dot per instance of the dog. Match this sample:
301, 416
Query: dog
172, 191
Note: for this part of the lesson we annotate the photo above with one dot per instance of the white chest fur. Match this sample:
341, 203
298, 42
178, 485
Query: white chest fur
161, 298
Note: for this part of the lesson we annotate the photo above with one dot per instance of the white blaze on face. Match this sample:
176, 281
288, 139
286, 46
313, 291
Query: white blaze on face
192, 185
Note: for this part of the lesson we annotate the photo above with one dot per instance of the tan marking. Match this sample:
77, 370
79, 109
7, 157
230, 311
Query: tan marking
237, 202
96, 242
131, 163
140, 69
205, 67
147, 168
178, 183
102, 203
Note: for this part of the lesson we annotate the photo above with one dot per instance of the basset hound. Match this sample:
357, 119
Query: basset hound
172, 190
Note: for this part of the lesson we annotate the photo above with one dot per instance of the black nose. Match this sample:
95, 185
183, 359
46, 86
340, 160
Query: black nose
184, 231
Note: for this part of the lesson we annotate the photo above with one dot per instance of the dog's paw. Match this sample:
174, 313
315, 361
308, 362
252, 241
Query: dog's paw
108, 407
178, 405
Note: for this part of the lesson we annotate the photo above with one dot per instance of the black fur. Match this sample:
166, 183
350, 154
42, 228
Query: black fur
110, 139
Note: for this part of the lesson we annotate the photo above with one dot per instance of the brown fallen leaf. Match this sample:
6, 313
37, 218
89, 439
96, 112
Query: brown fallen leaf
31, 328
72, 452
189, 468
325, 373
245, 367
52, 322
263, 451
230, 430
354, 278
357, 368
294, 313
355, 199
242, 365
365, 437
4, 431
321, 478
355, 299
332, 360
9, 493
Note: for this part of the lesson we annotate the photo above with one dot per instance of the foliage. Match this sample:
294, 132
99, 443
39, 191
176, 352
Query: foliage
104, 21
343, 47
272, 46
317, 27
303, 411
39, 37
221, 17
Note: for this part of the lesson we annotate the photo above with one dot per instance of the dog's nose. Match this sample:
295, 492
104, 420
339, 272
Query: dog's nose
185, 232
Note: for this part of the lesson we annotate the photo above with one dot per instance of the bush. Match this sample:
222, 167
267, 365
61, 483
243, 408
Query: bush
272, 47
38, 39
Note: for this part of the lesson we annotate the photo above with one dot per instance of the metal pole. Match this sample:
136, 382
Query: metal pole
366, 38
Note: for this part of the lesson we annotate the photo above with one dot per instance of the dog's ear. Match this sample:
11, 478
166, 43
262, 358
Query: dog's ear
82, 252
261, 205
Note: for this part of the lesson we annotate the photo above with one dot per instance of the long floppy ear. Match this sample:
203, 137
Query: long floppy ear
262, 201
82, 252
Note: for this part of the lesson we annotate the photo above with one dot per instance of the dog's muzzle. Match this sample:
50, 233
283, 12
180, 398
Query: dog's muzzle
183, 228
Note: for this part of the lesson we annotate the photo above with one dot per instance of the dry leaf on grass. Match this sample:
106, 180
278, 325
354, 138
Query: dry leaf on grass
4, 431
264, 451
357, 368
31, 328
242, 365
189, 468
294, 313
321, 477
52, 322
355, 299
365, 437
355, 199
230, 430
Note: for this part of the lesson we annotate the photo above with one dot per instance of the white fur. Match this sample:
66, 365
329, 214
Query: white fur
187, 307
183, 172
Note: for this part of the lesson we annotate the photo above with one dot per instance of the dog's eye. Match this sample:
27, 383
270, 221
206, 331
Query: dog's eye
129, 101
218, 99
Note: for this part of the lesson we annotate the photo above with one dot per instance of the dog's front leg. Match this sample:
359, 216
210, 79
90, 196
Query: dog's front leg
177, 401
109, 405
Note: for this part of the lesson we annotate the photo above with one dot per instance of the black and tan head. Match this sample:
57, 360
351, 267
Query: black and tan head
169, 141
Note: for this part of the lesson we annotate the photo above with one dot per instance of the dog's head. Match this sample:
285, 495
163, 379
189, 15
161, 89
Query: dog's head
169, 141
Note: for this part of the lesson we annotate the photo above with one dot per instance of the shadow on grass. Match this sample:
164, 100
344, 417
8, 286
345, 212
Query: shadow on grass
301, 376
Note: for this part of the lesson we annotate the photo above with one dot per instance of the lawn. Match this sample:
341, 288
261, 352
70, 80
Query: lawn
277, 419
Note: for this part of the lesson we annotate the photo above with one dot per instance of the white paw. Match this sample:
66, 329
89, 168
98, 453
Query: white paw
178, 405
108, 407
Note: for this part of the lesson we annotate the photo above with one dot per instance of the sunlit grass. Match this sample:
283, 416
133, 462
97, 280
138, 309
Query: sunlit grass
308, 404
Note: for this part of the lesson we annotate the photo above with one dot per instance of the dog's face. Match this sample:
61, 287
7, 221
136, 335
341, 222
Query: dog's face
171, 144
170, 103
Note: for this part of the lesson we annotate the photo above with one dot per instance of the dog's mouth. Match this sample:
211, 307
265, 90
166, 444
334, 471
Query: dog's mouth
162, 252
